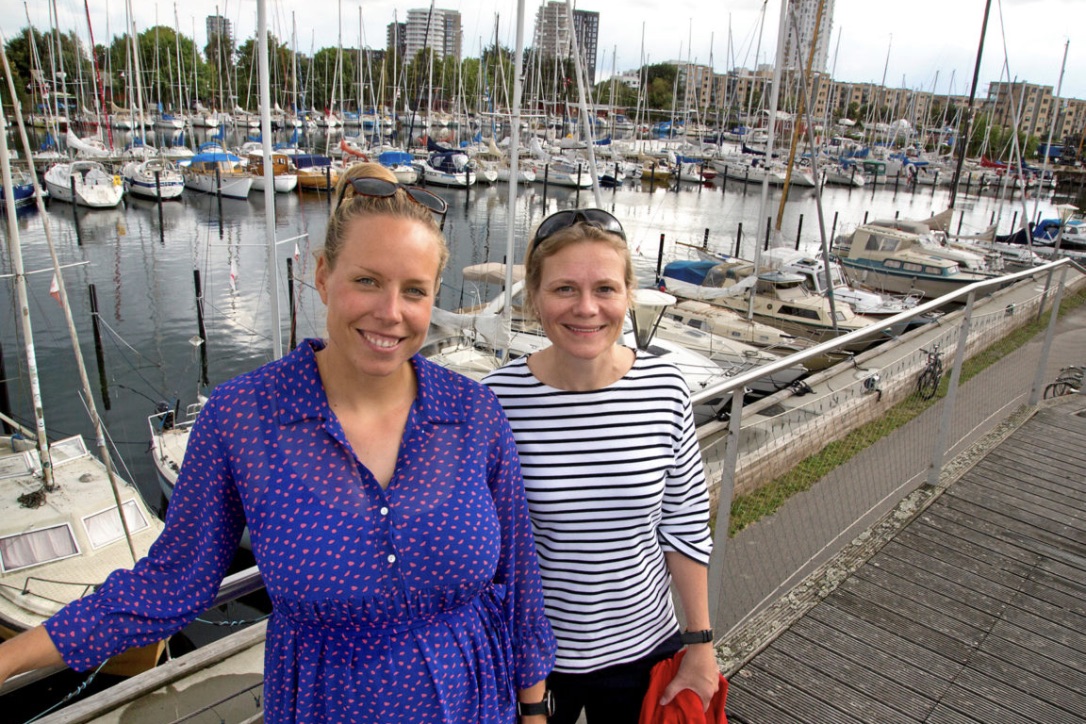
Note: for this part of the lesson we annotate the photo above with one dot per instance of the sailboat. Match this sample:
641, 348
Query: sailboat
84, 183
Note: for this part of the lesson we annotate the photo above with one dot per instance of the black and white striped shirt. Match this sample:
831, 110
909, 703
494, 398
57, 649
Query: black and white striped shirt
614, 480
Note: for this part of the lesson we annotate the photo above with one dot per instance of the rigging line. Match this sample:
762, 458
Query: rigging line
103, 322
127, 473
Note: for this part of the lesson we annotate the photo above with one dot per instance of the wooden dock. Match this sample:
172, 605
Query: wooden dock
973, 612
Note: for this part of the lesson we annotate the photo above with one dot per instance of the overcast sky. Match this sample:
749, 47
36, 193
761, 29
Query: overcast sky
931, 44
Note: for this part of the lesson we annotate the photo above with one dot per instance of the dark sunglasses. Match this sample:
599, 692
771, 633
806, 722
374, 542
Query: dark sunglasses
559, 220
382, 189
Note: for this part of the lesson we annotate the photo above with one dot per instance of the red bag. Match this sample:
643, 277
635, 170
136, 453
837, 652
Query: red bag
685, 708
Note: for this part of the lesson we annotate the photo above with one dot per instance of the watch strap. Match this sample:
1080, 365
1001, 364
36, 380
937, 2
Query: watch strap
696, 637
539, 708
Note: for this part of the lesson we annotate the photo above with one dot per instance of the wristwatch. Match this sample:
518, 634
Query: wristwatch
696, 637
542, 708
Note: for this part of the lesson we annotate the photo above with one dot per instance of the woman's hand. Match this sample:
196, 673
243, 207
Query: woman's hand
697, 672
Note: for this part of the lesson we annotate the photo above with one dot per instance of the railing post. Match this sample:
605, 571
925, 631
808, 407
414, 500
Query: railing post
946, 418
1050, 332
717, 584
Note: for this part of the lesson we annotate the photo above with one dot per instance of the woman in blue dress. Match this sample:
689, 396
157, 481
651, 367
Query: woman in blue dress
384, 501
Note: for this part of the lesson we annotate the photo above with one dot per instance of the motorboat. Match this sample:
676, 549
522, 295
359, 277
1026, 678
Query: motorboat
84, 183
773, 297
154, 178
217, 172
895, 261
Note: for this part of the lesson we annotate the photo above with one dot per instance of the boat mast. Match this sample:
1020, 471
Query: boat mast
583, 104
514, 179
100, 105
15, 250
964, 141
801, 110
1051, 128
269, 175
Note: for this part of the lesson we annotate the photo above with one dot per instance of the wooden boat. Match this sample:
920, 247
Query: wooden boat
315, 172
84, 183
153, 179
284, 174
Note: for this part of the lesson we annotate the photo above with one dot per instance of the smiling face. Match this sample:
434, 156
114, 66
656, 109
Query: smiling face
582, 299
379, 294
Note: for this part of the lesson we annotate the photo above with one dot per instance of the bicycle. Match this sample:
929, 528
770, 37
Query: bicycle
927, 384
1068, 381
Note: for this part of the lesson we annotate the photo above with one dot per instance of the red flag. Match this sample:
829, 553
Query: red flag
54, 289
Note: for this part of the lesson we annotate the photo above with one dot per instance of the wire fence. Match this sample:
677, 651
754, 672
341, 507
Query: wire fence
806, 476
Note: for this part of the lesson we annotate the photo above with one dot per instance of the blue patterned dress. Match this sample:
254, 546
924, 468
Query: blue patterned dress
420, 602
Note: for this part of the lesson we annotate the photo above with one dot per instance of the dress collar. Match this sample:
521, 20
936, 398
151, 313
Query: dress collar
295, 384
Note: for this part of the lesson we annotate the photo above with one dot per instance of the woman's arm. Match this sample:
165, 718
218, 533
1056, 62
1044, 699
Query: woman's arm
29, 650
698, 671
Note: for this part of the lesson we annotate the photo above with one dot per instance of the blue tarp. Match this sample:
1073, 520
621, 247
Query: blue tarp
693, 272
392, 158
310, 160
215, 157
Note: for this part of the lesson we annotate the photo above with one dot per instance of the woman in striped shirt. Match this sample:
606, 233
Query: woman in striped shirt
613, 474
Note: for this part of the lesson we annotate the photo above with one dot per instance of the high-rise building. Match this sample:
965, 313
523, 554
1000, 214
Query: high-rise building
796, 50
439, 31
586, 26
396, 40
552, 36
218, 25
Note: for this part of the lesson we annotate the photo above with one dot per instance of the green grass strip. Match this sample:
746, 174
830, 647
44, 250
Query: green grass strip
752, 507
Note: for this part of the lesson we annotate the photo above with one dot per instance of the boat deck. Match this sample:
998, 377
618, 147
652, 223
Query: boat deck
973, 612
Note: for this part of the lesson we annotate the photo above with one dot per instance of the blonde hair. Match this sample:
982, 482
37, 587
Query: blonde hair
578, 233
352, 206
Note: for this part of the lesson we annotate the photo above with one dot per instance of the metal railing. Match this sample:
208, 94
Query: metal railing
742, 455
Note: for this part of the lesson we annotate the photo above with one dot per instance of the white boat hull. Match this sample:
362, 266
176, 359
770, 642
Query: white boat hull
229, 186
94, 188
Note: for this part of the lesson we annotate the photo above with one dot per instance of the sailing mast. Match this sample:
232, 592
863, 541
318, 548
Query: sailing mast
269, 174
800, 111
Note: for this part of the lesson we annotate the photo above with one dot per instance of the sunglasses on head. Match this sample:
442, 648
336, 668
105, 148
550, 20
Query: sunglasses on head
559, 220
382, 189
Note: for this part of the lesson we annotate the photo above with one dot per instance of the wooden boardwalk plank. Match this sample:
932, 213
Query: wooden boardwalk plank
852, 679
833, 697
974, 614
886, 660
955, 581
924, 660
782, 695
942, 600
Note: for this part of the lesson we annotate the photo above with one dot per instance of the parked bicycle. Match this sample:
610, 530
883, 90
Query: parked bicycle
927, 384
1068, 382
